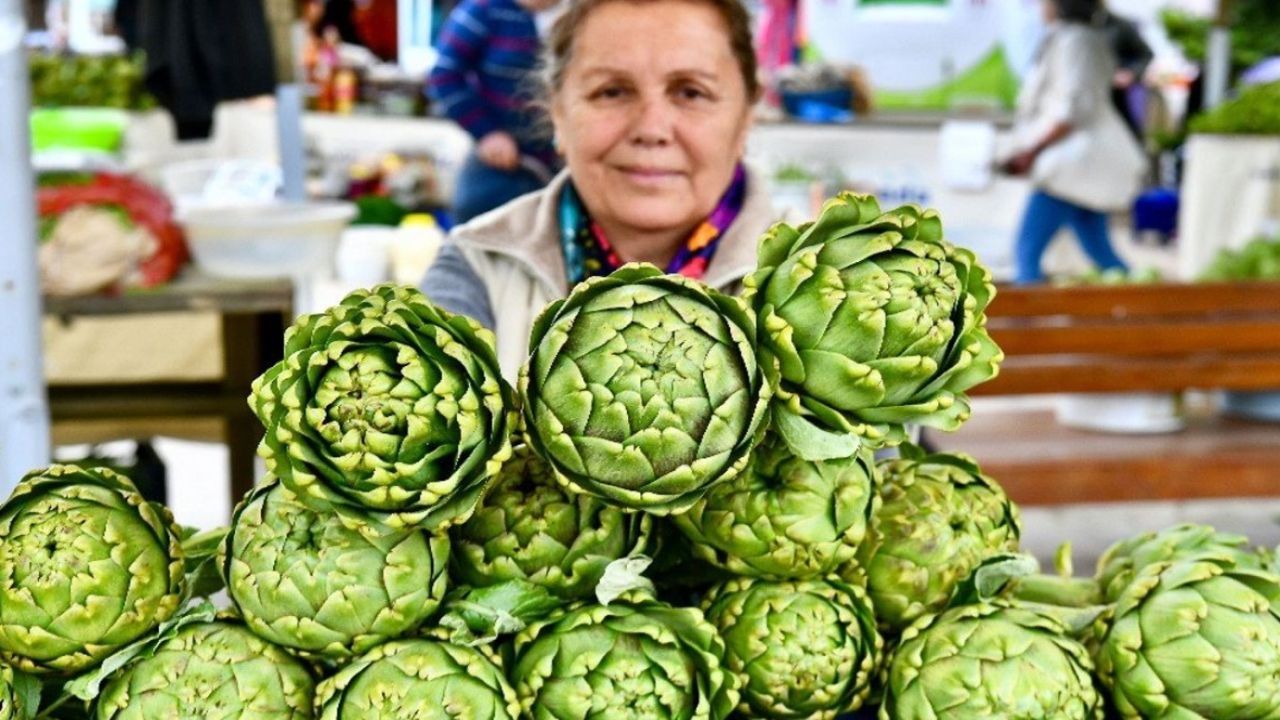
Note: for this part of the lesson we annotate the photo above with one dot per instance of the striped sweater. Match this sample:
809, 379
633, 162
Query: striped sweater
482, 76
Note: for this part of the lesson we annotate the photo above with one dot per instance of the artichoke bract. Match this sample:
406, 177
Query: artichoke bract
87, 565
421, 679
1197, 639
806, 649
875, 321
11, 701
214, 671
330, 585
785, 517
990, 662
635, 658
644, 389
387, 402
938, 520
530, 528
1121, 562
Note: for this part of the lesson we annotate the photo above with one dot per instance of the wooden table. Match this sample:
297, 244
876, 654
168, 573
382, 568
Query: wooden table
254, 314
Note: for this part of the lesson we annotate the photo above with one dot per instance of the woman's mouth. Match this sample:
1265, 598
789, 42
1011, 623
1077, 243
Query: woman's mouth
649, 175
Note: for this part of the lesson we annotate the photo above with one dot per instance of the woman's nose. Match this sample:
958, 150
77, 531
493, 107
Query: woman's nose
653, 122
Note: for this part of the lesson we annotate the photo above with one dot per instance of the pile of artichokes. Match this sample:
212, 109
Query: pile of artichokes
689, 506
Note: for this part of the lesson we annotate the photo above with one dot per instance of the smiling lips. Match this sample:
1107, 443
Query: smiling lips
649, 175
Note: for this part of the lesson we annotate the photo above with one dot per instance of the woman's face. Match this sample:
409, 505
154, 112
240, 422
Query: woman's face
652, 114
1049, 10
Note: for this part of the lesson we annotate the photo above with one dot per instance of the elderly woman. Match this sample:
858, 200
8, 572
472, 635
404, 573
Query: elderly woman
651, 105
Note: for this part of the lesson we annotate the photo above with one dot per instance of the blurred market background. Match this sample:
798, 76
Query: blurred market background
155, 148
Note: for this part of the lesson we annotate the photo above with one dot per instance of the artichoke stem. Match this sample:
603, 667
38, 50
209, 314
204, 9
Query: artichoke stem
1061, 591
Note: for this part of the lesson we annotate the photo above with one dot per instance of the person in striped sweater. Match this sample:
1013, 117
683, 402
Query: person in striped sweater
483, 80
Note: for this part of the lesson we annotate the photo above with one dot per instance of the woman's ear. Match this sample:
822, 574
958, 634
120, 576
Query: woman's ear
748, 122
555, 111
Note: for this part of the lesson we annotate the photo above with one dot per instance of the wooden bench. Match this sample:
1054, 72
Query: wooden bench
1136, 338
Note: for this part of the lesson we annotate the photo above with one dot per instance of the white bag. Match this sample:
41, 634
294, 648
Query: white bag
1099, 166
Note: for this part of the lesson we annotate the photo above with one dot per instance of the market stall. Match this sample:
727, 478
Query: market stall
830, 490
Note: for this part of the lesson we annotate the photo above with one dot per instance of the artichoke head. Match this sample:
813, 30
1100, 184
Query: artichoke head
1122, 562
86, 566
530, 528
938, 520
785, 517
389, 403
990, 662
804, 649
419, 679
633, 659
875, 320
329, 585
644, 389
214, 671
1196, 639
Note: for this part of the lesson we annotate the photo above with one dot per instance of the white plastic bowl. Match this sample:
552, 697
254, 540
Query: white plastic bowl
285, 239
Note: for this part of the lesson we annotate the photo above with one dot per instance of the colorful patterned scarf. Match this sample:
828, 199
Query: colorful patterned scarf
587, 251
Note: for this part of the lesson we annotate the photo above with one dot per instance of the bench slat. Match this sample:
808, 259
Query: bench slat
1162, 299
1140, 337
1138, 479
1068, 374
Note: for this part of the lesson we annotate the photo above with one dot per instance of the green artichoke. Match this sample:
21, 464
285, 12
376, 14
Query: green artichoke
804, 649
12, 703
388, 403
1194, 640
86, 567
418, 680
990, 662
644, 389
635, 658
211, 671
939, 519
333, 584
529, 528
785, 517
1124, 560
875, 320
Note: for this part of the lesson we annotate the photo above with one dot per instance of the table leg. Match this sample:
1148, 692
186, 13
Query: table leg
251, 343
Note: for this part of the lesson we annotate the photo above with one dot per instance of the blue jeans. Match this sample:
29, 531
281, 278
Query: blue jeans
481, 188
1046, 215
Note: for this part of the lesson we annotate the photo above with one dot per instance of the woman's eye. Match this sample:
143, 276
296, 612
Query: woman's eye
691, 92
611, 92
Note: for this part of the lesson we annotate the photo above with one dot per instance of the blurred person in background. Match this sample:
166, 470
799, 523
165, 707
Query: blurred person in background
1082, 160
483, 80
1133, 57
651, 104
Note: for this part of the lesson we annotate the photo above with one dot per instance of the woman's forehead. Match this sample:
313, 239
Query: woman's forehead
669, 37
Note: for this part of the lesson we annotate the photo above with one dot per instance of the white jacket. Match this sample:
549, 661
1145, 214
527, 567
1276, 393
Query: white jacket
1098, 165
515, 250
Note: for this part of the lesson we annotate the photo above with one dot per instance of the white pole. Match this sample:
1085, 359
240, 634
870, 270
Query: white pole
1217, 61
1217, 66
24, 412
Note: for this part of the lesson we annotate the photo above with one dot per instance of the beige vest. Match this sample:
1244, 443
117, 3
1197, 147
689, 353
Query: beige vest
516, 252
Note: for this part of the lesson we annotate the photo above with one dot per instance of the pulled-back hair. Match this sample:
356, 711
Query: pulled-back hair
559, 44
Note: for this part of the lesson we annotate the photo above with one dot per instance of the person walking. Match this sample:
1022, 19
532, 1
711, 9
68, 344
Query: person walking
1071, 141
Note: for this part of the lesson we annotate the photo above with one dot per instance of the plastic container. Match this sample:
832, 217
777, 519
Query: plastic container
280, 240
220, 182
1263, 406
97, 129
1135, 413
